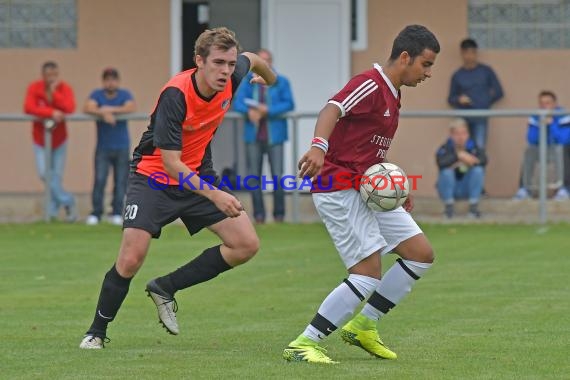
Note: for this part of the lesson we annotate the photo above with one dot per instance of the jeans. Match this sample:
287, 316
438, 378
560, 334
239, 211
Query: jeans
119, 160
478, 131
468, 187
254, 154
59, 197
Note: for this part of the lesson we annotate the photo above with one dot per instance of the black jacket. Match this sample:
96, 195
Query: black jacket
446, 155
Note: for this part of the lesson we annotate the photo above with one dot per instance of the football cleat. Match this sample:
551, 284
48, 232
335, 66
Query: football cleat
92, 342
367, 339
166, 306
305, 350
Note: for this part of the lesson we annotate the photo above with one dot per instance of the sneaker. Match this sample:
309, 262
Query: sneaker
116, 220
92, 342
361, 332
71, 213
448, 212
303, 349
166, 306
562, 195
92, 220
521, 195
474, 211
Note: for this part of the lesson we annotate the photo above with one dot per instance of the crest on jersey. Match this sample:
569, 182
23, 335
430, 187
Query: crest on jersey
225, 104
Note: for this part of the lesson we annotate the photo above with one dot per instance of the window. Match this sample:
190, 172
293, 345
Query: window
358, 25
522, 24
38, 24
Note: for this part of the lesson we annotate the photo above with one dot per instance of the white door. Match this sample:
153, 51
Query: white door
310, 42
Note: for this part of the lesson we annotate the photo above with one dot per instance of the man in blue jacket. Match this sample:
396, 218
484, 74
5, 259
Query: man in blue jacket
264, 134
461, 173
474, 86
558, 133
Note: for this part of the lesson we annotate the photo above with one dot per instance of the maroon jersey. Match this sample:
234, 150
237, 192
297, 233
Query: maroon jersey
370, 107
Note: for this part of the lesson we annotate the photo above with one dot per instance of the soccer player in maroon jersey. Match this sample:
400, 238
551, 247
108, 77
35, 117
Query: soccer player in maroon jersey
167, 181
353, 132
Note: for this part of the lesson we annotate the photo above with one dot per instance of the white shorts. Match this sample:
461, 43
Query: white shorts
357, 231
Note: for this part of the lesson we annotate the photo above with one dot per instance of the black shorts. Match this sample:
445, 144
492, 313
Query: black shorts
150, 209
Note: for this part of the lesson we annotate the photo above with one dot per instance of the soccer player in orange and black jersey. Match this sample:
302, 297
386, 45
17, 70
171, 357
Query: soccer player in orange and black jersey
166, 183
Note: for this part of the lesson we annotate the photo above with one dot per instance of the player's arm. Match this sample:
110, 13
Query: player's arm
261, 68
311, 163
91, 107
128, 107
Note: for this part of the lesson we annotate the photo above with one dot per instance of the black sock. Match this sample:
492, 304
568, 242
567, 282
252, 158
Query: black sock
208, 265
113, 292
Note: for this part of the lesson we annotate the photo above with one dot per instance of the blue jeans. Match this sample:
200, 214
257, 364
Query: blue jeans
468, 187
59, 197
478, 130
104, 159
255, 153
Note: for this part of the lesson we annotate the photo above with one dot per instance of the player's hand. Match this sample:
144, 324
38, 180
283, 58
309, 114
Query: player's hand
227, 203
258, 79
254, 115
52, 86
262, 109
409, 203
311, 163
464, 100
467, 158
57, 116
109, 118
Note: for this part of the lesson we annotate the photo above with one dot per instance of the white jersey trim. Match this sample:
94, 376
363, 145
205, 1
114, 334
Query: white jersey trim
387, 80
366, 88
342, 110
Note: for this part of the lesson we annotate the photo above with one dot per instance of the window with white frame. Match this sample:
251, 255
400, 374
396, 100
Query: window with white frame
38, 24
359, 24
520, 24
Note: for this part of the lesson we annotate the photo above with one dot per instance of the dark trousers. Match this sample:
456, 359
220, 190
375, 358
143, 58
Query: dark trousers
566, 165
104, 159
255, 152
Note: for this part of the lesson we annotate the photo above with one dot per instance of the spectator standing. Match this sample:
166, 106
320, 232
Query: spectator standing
113, 145
50, 98
265, 133
474, 86
461, 174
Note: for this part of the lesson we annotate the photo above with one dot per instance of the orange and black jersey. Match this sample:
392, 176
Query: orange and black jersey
185, 120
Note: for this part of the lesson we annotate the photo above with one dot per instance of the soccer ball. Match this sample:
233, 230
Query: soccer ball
384, 187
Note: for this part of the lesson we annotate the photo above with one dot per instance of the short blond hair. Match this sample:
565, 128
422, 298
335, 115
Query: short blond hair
221, 38
458, 123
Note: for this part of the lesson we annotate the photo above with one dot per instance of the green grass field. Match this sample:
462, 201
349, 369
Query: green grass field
495, 306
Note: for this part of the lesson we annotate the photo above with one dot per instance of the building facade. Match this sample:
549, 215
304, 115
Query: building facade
147, 40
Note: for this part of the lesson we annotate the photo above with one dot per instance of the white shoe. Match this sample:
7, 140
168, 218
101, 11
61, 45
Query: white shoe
166, 306
92, 220
117, 220
562, 195
91, 342
521, 195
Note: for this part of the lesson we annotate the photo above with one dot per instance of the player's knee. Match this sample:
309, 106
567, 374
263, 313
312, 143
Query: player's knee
129, 261
427, 255
248, 247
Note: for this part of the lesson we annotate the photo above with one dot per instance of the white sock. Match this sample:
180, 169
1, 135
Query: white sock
339, 305
394, 286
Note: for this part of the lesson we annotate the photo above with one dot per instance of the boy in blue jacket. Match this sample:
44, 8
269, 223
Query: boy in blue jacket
264, 134
558, 132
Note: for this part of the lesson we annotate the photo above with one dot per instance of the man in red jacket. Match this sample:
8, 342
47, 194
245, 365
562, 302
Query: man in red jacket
50, 98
